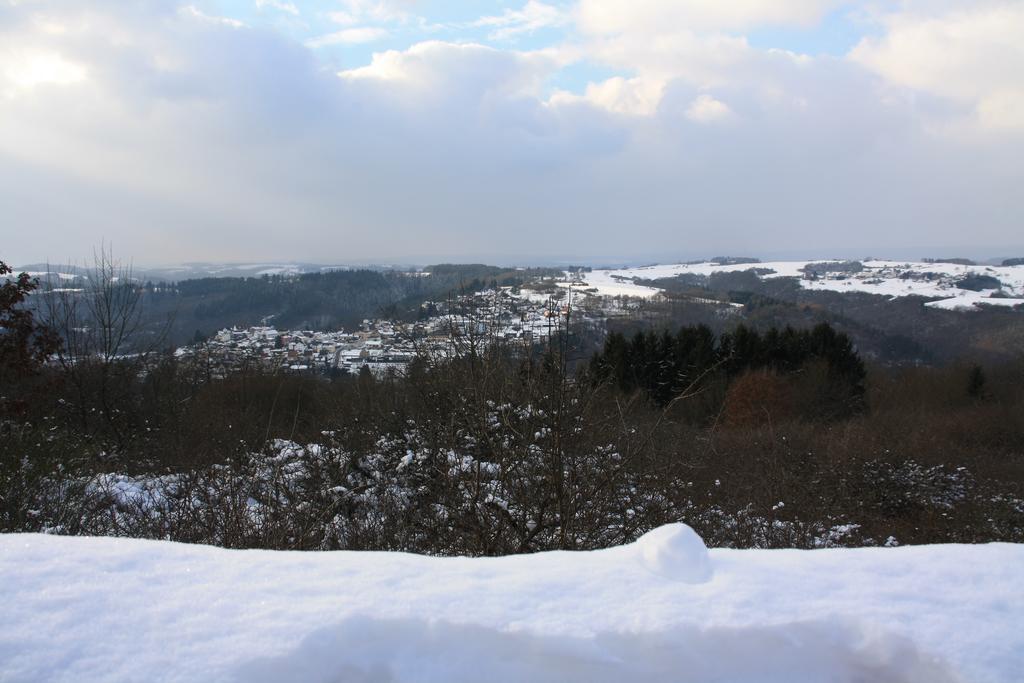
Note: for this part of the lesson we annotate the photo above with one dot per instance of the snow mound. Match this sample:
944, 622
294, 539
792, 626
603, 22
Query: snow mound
676, 552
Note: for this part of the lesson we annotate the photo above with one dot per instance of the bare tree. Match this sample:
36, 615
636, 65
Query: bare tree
101, 327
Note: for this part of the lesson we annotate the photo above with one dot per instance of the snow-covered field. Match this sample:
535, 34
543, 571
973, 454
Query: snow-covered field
662, 609
886, 278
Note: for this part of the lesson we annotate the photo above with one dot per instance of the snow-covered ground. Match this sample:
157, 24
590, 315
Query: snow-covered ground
886, 278
662, 609
965, 300
619, 283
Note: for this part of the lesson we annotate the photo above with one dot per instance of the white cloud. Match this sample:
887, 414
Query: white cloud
456, 69
632, 96
973, 55
1002, 109
658, 41
350, 36
699, 43
370, 11
706, 109
962, 54
365, 21
533, 16
704, 59
28, 69
195, 13
286, 7
343, 18
666, 16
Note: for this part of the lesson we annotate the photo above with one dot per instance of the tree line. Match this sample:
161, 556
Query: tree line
820, 363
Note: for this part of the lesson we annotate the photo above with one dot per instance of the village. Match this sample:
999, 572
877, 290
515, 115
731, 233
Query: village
382, 347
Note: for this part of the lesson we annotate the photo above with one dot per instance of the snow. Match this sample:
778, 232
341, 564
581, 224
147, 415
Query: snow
46, 273
98, 609
619, 283
885, 278
676, 552
967, 300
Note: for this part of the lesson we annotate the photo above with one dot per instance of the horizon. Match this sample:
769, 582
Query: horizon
905, 254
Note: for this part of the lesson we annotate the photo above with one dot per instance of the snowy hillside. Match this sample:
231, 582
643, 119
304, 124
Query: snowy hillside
187, 271
662, 609
886, 278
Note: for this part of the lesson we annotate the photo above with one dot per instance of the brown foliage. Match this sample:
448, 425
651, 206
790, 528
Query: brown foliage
759, 398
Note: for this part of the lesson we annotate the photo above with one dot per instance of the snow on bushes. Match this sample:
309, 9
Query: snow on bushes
405, 495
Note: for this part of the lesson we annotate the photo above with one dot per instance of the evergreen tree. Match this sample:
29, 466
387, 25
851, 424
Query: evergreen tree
976, 383
664, 366
24, 343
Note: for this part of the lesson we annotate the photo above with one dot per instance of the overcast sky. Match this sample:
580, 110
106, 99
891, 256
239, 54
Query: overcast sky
423, 130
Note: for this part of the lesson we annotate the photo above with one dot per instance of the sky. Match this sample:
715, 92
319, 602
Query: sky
413, 131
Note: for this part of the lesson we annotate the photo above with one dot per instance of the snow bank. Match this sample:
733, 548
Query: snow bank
90, 609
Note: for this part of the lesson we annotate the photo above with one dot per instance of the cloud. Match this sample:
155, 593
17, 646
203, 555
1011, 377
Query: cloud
27, 69
633, 96
439, 70
694, 41
370, 11
532, 17
972, 54
667, 16
350, 36
195, 13
1002, 109
706, 109
286, 7
704, 63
